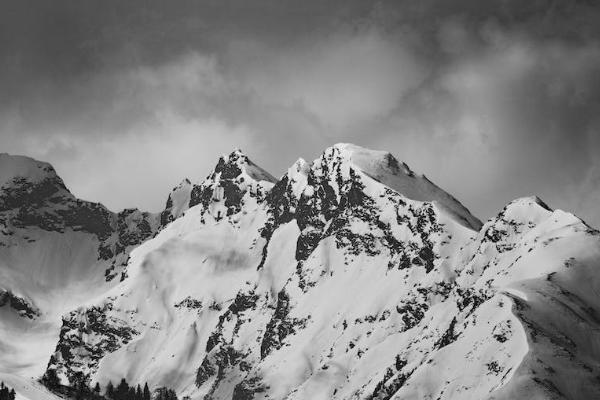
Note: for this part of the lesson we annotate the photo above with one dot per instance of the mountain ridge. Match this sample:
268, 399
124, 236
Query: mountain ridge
329, 283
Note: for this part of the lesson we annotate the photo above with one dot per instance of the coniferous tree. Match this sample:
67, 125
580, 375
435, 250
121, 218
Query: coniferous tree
122, 390
3, 391
138, 393
160, 393
164, 393
81, 390
6, 393
80, 386
110, 391
146, 394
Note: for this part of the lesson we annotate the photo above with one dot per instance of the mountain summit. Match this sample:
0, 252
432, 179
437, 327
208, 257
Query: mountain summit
385, 168
16, 168
350, 277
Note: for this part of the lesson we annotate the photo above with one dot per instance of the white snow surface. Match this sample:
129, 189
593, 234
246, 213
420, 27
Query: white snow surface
252, 170
55, 272
12, 166
27, 389
179, 199
350, 278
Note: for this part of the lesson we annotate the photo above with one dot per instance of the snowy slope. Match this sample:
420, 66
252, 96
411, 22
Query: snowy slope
177, 202
55, 252
350, 277
385, 168
27, 389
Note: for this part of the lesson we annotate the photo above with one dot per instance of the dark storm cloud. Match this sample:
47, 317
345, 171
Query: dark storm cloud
492, 100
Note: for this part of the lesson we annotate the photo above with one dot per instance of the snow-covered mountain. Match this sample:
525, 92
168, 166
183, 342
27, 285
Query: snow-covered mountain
55, 252
351, 277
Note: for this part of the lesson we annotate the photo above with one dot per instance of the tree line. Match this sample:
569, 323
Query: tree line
80, 390
6, 393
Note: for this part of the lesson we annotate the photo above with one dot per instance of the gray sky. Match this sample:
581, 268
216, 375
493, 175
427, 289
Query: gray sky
491, 100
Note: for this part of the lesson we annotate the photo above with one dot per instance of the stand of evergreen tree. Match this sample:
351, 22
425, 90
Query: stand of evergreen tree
80, 390
125, 392
166, 394
6, 393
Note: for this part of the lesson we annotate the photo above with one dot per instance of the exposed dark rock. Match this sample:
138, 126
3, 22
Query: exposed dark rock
23, 307
412, 313
449, 336
110, 334
392, 381
280, 325
189, 303
248, 388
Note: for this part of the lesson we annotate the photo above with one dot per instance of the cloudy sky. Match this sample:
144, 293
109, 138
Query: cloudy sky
491, 100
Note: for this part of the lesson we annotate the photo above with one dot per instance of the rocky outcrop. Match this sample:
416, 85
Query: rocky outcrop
21, 306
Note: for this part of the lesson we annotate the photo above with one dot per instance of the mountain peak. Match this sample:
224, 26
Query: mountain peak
366, 158
24, 168
299, 167
527, 204
177, 202
25, 181
526, 210
383, 167
223, 190
238, 163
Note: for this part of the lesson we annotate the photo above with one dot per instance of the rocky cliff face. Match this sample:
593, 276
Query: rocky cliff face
42, 201
351, 277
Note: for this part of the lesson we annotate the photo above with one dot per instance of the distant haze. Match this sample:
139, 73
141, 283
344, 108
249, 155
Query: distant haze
491, 100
